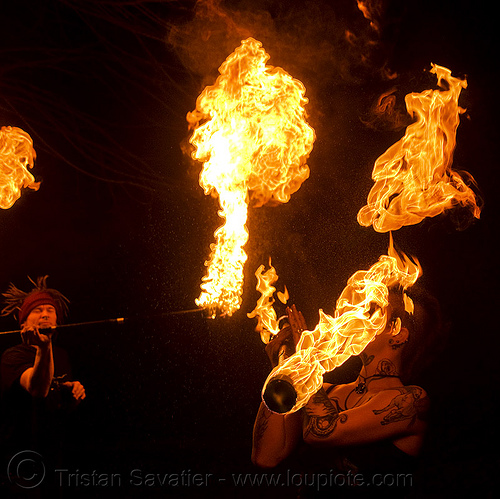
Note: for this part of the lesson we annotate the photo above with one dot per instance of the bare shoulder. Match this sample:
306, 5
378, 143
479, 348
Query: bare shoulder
333, 390
338, 392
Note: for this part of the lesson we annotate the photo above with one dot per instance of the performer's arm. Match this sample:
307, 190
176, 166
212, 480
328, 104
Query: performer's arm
390, 413
275, 436
36, 380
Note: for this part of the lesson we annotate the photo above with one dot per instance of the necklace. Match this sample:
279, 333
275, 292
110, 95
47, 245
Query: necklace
361, 386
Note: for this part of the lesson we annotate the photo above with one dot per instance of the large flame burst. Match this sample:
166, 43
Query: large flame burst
413, 178
16, 156
360, 314
251, 134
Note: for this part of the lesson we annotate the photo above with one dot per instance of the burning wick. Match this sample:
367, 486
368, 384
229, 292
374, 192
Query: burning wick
250, 132
361, 314
16, 156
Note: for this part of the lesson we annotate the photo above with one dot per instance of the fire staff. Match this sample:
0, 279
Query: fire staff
373, 425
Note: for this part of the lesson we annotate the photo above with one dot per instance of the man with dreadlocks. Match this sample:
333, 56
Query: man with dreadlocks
37, 389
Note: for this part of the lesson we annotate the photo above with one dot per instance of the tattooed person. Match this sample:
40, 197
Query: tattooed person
359, 430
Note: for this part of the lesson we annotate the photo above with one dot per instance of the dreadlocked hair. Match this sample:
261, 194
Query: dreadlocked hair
15, 297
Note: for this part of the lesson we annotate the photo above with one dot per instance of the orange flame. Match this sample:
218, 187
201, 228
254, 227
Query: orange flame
251, 134
370, 11
16, 156
361, 314
413, 178
267, 321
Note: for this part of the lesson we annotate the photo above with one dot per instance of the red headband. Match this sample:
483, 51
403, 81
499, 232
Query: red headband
36, 299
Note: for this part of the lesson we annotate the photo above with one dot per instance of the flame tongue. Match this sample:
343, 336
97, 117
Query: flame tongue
413, 178
268, 324
16, 156
360, 315
251, 134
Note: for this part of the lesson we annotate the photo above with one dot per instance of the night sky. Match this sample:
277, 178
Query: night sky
122, 227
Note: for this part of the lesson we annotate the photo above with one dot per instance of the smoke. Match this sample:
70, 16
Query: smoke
204, 42
386, 113
327, 43
151, 57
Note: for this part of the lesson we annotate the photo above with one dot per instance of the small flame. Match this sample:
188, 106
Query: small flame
251, 134
413, 178
16, 156
370, 10
360, 315
408, 303
284, 296
267, 321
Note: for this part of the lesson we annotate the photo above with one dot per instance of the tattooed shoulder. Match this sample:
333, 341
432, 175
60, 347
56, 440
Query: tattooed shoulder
322, 415
411, 403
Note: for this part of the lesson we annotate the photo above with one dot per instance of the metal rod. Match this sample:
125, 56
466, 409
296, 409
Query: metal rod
109, 321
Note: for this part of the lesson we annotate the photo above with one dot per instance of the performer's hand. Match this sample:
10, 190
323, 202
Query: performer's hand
297, 323
285, 341
32, 336
77, 389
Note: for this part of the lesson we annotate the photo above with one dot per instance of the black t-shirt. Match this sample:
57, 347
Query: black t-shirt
27, 421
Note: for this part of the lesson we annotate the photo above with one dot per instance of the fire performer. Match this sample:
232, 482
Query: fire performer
37, 390
367, 428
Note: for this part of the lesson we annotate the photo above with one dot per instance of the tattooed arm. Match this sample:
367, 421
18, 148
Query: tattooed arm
389, 414
274, 436
322, 415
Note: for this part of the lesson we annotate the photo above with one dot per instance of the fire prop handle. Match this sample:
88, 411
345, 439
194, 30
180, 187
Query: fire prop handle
117, 320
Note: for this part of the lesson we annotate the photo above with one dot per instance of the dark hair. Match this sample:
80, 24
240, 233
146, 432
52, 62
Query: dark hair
426, 333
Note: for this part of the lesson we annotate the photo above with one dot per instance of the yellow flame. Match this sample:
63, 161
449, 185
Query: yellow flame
413, 178
361, 314
267, 321
408, 303
251, 134
284, 296
16, 156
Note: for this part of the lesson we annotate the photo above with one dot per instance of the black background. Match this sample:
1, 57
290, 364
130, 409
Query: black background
123, 229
